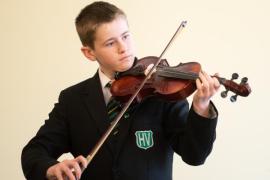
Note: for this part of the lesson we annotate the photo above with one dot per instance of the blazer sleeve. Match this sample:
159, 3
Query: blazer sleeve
190, 135
50, 142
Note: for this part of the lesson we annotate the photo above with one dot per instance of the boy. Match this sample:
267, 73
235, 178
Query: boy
143, 144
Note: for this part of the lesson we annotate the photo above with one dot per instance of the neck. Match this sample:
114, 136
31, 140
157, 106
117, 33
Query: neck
108, 74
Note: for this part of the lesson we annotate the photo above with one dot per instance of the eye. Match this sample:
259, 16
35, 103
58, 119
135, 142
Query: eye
109, 44
126, 36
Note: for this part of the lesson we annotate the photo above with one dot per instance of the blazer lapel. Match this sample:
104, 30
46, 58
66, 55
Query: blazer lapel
94, 101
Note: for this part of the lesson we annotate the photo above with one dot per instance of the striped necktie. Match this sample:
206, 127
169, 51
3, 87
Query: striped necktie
113, 108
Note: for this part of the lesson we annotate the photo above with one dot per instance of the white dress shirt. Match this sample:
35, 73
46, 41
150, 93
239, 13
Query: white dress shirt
104, 80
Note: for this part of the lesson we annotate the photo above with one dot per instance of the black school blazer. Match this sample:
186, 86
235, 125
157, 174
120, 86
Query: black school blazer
142, 148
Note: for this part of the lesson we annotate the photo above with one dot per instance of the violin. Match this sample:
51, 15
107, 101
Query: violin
169, 83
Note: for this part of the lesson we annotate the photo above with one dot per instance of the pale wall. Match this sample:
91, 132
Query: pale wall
40, 56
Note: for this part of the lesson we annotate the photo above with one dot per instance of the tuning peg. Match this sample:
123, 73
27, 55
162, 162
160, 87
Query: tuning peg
234, 76
224, 93
233, 98
244, 80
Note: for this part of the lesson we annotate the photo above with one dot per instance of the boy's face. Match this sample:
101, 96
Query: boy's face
114, 49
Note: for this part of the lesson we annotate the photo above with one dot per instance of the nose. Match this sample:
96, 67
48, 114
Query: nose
122, 47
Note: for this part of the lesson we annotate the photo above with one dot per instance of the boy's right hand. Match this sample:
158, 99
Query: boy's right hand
67, 169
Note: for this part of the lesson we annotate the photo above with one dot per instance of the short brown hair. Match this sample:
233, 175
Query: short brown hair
92, 16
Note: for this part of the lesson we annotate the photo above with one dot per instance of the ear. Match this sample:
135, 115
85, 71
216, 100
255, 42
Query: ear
88, 53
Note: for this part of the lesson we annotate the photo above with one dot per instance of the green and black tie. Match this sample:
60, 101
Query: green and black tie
113, 108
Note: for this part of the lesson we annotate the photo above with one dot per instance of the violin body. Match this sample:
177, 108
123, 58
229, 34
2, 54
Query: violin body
164, 83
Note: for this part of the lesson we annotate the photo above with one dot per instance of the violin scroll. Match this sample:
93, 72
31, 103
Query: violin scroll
242, 89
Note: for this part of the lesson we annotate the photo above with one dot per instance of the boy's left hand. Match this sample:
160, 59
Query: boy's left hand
207, 86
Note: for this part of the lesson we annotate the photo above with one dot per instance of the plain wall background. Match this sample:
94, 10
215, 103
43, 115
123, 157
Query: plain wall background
40, 56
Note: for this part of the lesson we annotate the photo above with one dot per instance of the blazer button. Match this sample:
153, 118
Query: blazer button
126, 116
115, 132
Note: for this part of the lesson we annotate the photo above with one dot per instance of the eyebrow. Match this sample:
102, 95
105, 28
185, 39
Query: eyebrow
110, 39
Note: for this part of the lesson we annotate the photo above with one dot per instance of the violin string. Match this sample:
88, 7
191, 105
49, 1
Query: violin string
169, 72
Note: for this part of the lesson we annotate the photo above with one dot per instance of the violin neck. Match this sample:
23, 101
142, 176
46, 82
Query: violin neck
171, 73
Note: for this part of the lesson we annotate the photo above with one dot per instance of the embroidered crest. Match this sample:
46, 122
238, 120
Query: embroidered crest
144, 139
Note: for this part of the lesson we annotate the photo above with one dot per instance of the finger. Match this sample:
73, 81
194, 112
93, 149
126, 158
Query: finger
207, 77
58, 174
205, 84
76, 169
210, 82
202, 77
199, 83
215, 78
216, 83
82, 162
68, 173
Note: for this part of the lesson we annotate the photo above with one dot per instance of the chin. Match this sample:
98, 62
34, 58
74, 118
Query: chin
126, 66
124, 69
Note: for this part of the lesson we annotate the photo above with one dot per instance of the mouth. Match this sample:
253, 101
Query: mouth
125, 58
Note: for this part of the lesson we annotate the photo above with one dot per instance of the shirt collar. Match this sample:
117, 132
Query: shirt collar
103, 78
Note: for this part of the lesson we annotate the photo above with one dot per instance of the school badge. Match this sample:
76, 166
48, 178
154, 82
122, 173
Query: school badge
144, 139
